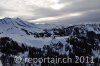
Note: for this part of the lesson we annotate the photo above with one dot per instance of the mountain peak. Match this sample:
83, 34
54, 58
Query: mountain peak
7, 18
14, 21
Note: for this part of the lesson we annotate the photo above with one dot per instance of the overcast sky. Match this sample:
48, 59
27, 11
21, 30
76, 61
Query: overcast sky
52, 11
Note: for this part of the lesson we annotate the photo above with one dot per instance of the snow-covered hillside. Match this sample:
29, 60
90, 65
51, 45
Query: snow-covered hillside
18, 37
23, 32
16, 26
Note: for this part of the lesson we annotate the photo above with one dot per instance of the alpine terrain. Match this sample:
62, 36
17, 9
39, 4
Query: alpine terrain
28, 40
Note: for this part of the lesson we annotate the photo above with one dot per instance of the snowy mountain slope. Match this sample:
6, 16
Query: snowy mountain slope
74, 40
16, 26
23, 31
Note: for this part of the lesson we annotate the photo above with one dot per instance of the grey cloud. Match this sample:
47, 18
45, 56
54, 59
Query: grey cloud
44, 12
83, 5
80, 6
93, 16
3, 10
91, 9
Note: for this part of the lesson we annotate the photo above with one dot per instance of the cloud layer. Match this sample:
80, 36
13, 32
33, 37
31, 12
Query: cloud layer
52, 11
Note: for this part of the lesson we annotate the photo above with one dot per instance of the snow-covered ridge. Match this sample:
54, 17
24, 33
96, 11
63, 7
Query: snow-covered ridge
50, 39
15, 25
23, 31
